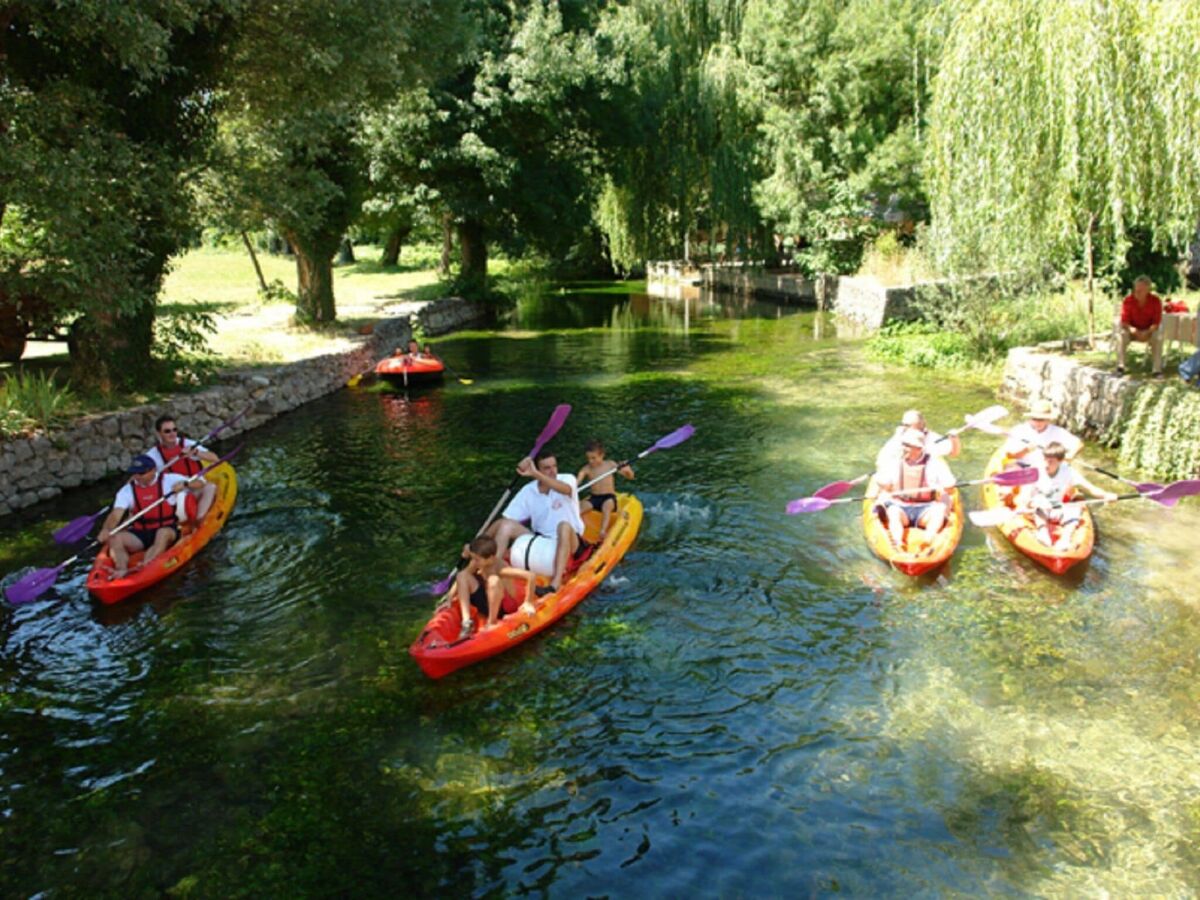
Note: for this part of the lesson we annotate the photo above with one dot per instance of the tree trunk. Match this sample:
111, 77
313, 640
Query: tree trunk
314, 276
262, 282
13, 330
111, 350
1089, 255
345, 255
391, 250
473, 250
447, 245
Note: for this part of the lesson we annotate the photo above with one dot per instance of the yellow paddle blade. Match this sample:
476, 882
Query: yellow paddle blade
466, 381
353, 382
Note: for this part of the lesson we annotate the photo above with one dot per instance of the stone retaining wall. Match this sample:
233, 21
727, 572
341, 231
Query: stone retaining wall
94, 447
1089, 401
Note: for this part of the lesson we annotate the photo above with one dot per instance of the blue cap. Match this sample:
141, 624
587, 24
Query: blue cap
141, 464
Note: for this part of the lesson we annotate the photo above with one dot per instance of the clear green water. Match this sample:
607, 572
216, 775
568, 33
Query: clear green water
751, 705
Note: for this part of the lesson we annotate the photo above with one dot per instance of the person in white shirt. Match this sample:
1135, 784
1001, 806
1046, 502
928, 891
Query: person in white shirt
935, 444
179, 455
914, 489
155, 531
550, 504
1048, 496
1027, 440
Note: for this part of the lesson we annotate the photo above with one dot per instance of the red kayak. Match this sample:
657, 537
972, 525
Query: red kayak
410, 371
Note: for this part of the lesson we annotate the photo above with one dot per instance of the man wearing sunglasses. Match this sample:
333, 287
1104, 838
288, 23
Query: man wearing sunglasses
178, 455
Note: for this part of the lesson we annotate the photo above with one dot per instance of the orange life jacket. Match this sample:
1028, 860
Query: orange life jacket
188, 467
162, 516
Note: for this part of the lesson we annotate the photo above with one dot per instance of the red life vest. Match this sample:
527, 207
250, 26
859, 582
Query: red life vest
162, 516
188, 467
903, 485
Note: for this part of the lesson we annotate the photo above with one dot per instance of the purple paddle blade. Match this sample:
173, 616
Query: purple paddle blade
1147, 487
33, 585
556, 422
77, 529
1014, 477
808, 505
674, 439
440, 587
1175, 491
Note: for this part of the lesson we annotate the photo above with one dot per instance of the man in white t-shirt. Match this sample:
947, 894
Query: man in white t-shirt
550, 504
1027, 440
157, 529
935, 444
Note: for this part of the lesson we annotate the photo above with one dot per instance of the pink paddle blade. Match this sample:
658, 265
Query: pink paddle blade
552, 427
834, 490
808, 505
1015, 477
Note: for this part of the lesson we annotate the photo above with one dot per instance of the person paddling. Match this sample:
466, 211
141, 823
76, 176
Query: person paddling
914, 489
156, 530
1027, 440
550, 503
935, 444
1056, 518
180, 455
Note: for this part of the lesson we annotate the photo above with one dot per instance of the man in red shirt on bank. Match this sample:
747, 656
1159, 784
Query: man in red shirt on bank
1141, 320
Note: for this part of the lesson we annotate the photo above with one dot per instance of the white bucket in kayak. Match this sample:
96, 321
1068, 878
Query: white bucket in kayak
534, 552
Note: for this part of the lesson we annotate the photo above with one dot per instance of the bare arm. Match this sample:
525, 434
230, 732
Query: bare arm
111, 521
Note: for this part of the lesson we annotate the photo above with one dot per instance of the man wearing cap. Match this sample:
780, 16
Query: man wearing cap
914, 489
156, 530
1141, 320
1027, 440
935, 444
179, 455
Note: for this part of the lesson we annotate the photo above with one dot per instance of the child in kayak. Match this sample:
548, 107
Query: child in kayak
1049, 496
484, 582
603, 497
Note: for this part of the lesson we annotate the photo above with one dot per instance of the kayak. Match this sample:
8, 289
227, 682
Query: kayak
410, 372
919, 553
1021, 531
438, 650
171, 561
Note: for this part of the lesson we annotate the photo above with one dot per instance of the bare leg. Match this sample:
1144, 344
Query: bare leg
607, 508
163, 538
505, 531
897, 522
465, 586
568, 543
208, 493
934, 518
495, 593
119, 548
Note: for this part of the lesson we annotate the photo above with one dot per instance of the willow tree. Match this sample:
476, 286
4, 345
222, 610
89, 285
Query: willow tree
302, 76
681, 143
1056, 128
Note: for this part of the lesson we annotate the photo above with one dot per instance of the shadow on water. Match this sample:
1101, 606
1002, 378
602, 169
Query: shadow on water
750, 704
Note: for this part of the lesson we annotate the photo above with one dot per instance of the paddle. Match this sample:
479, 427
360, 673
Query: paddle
1007, 478
557, 418
979, 420
674, 439
454, 372
986, 518
1142, 487
38, 582
78, 529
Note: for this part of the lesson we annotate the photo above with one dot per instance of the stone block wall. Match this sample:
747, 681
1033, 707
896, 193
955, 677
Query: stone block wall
1089, 400
94, 447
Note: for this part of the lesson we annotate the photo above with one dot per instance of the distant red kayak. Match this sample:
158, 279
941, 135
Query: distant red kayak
408, 371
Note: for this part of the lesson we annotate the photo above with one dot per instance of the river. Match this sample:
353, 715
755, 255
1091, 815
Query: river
750, 705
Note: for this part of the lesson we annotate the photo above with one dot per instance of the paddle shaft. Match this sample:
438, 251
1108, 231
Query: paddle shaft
167, 496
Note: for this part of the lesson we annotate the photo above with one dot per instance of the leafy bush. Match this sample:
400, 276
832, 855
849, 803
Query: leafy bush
1158, 435
30, 400
923, 345
181, 349
277, 292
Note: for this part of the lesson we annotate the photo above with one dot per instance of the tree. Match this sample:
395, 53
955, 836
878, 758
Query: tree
1057, 128
103, 115
302, 76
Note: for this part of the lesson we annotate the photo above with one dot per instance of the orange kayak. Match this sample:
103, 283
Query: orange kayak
438, 650
170, 562
1021, 531
409, 371
919, 552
